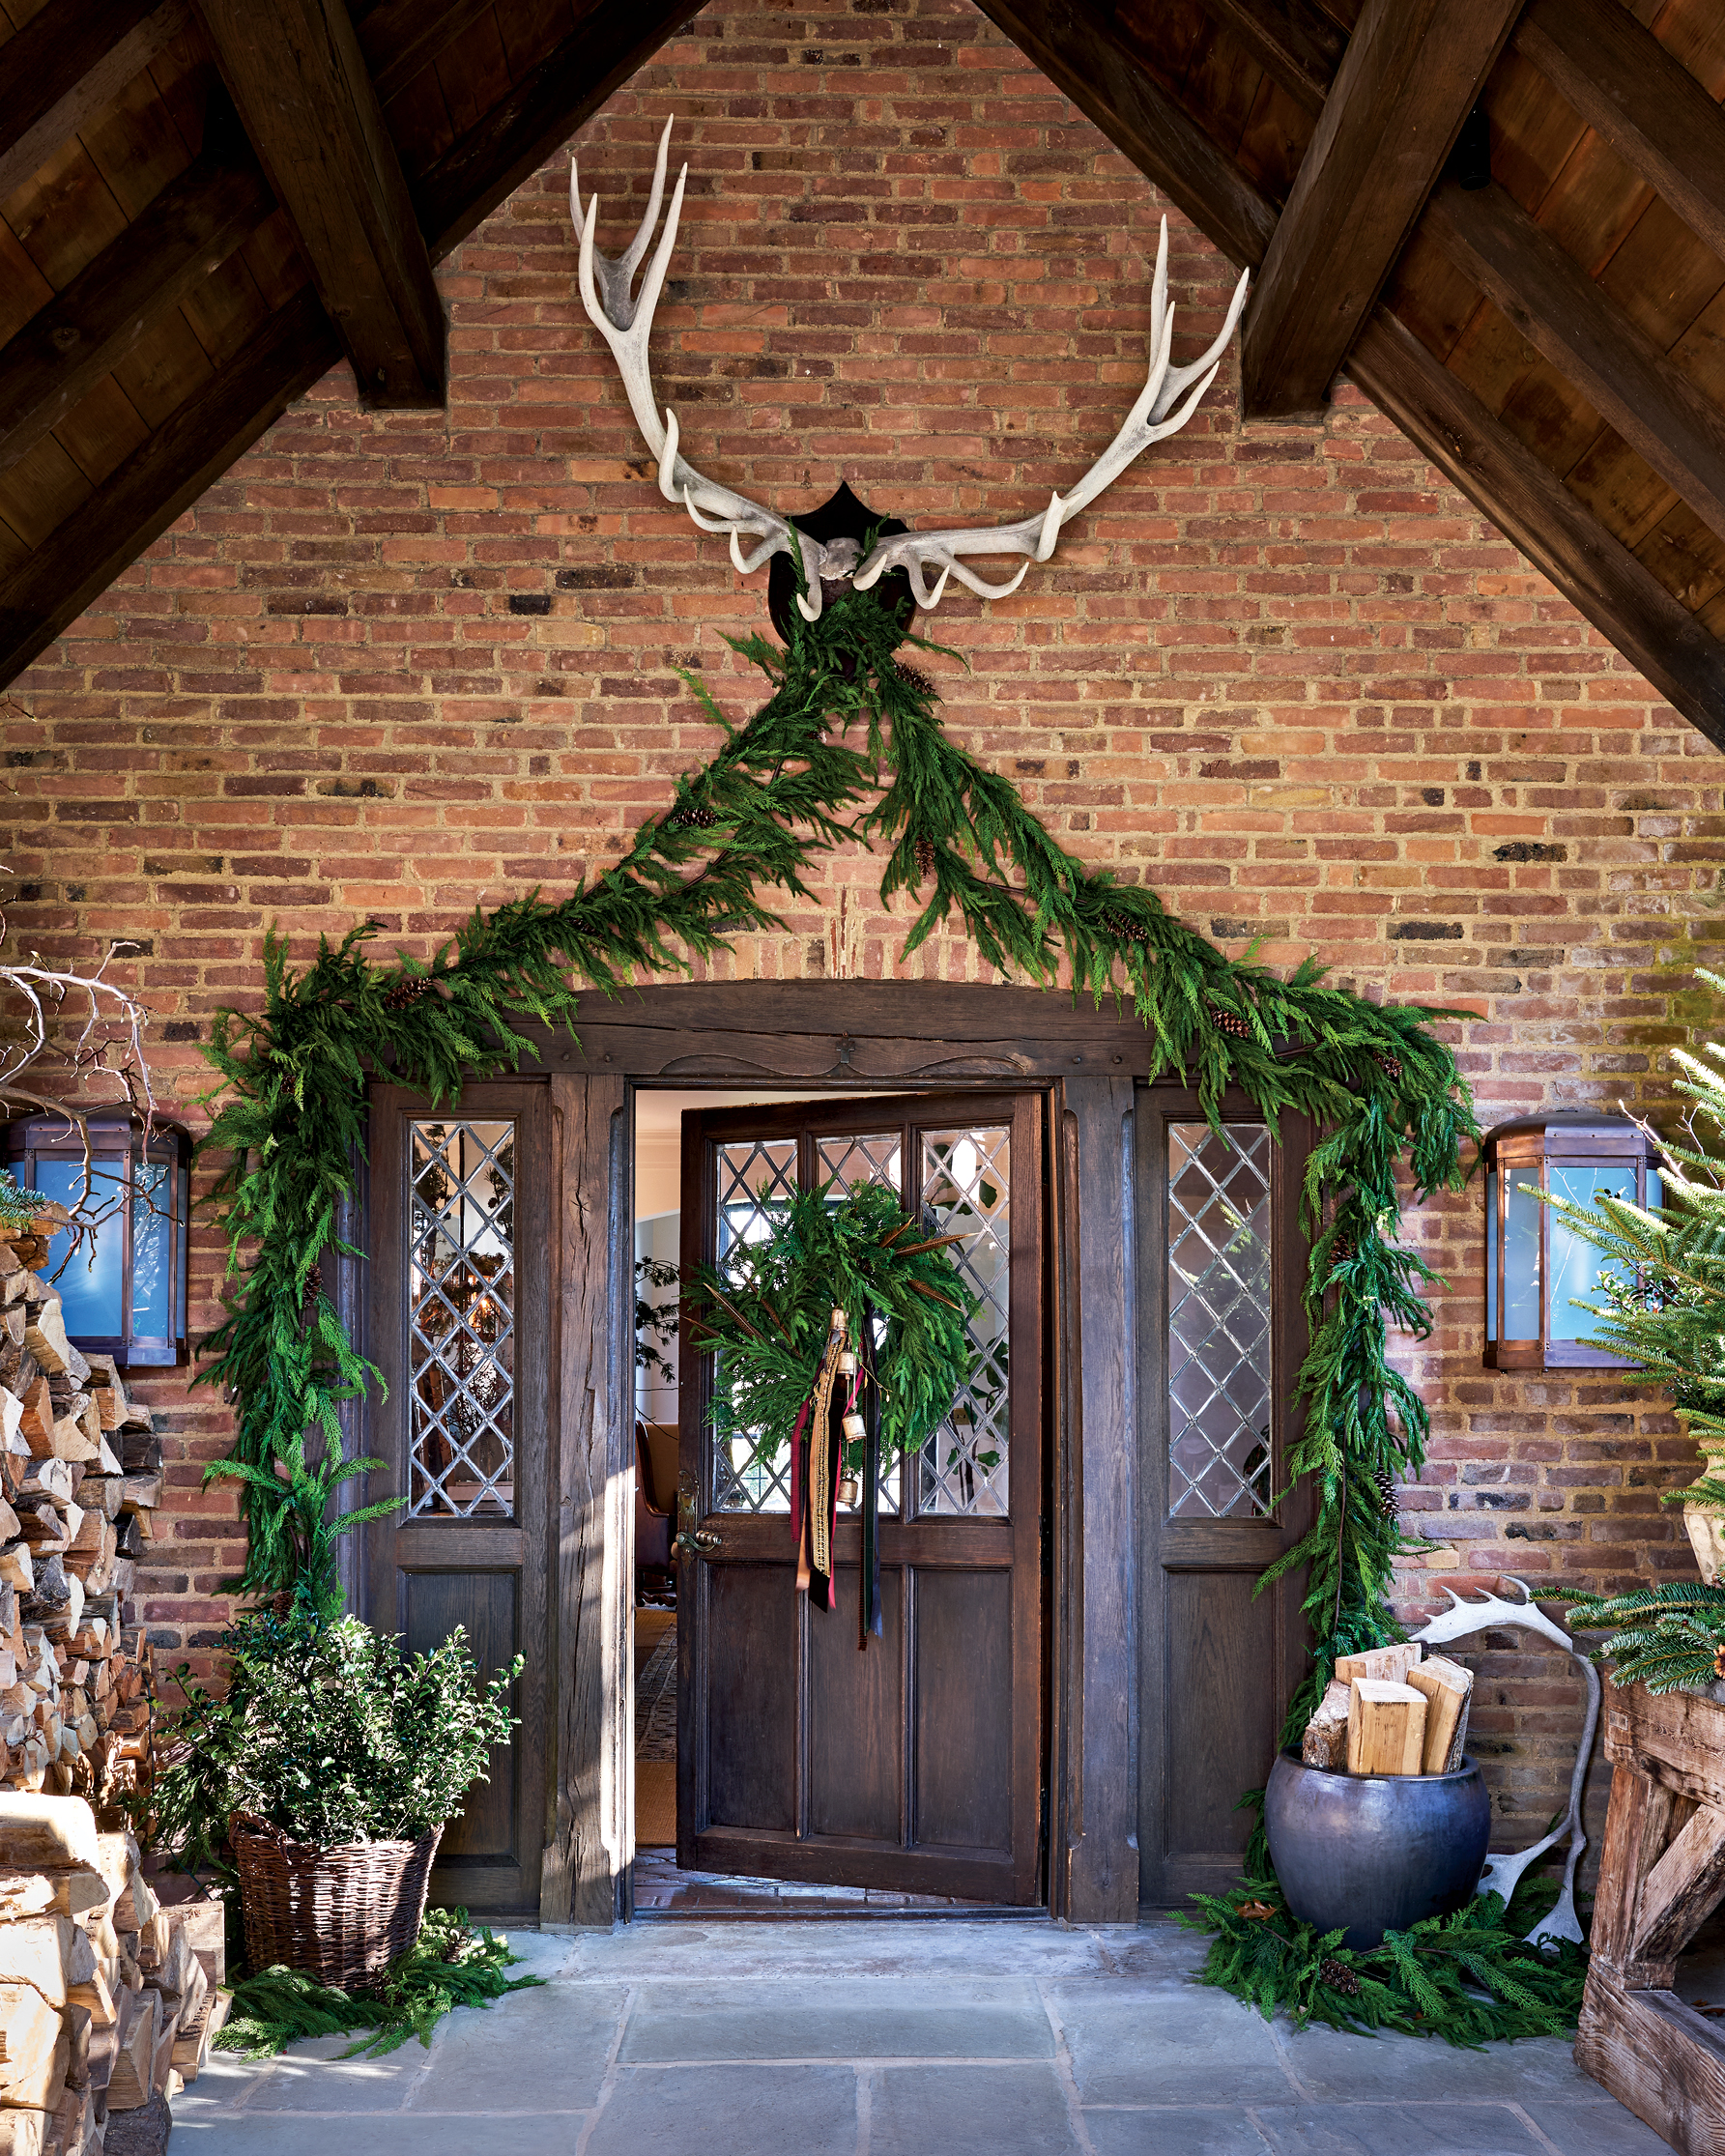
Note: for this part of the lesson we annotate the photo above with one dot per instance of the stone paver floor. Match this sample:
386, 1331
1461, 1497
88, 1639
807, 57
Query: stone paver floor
871, 2037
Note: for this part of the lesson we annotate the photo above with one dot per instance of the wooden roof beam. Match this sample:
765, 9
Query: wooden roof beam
300, 85
1563, 314
187, 232
540, 114
162, 478
65, 65
1077, 47
1530, 505
1294, 42
1411, 74
1646, 103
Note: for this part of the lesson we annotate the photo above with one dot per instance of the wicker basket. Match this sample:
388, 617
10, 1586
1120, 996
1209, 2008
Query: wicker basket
340, 1915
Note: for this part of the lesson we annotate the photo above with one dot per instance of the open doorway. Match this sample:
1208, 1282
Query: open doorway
778, 1762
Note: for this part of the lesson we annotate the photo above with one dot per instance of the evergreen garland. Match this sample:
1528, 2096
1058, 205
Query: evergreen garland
844, 720
770, 1312
1472, 1978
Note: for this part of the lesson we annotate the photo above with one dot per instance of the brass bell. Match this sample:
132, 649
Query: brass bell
849, 1489
853, 1426
839, 1320
848, 1363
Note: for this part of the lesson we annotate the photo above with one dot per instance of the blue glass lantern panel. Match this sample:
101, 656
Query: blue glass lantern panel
1656, 1190
1491, 1254
1576, 1264
92, 1287
1521, 1264
153, 1254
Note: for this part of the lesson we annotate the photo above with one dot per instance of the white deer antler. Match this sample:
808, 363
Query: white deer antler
1146, 422
1502, 1873
625, 319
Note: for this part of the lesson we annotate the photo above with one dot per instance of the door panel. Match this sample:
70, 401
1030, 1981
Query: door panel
917, 1764
1222, 1263
462, 1259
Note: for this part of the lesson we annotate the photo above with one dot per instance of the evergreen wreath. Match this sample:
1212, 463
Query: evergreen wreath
768, 1314
845, 721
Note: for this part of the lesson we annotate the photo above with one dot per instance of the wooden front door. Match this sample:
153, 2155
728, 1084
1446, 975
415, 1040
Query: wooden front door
1222, 1263
460, 1212
916, 1764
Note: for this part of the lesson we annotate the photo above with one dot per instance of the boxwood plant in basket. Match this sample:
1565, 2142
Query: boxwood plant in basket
320, 1783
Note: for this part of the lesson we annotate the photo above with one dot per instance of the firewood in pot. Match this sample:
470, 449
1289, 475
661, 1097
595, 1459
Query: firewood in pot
1390, 1663
1386, 1727
1325, 1743
1448, 1690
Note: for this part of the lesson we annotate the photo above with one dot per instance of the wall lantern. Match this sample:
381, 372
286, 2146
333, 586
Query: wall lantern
130, 1300
1535, 1268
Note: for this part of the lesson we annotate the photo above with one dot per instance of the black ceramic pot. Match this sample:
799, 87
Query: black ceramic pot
1374, 1852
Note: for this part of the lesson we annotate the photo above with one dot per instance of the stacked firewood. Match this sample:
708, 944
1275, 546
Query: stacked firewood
1392, 1710
107, 1999
80, 1474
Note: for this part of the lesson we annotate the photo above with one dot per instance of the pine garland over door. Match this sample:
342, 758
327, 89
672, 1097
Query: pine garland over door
846, 747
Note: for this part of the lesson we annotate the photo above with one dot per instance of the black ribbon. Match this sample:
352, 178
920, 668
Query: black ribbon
869, 1618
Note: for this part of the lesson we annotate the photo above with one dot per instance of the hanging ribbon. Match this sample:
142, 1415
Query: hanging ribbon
817, 1451
870, 1616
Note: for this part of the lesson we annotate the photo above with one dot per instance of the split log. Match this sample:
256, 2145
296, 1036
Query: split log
29, 2030
1447, 1689
1386, 1728
1390, 1663
1325, 1743
46, 1338
39, 1834
132, 2082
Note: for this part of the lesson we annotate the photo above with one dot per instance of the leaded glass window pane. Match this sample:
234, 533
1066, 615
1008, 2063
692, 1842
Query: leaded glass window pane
856, 1163
756, 1176
964, 1189
1218, 1321
460, 1318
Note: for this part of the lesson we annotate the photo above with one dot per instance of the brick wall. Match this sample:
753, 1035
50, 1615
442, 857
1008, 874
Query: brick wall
397, 665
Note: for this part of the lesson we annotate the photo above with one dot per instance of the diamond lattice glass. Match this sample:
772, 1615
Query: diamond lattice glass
460, 1318
964, 1191
756, 1176
1218, 1321
856, 1163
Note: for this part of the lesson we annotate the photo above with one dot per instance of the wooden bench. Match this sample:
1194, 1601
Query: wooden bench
1661, 1873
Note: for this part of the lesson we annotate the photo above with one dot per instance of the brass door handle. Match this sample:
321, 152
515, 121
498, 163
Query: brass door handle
702, 1542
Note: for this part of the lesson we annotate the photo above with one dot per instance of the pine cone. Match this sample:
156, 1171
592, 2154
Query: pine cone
1228, 1023
1126, 928
405, 993
1338, 1976
913, 677
1388, 1497
1719, 1661
1389, 1065
696, 817
314, 1280
925, 859
1344, 1250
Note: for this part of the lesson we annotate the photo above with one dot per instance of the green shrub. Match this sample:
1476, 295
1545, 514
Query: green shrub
330, 1734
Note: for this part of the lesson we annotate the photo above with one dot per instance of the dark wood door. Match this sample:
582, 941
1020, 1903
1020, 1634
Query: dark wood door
1222, 1262
461, 1265
917, 1764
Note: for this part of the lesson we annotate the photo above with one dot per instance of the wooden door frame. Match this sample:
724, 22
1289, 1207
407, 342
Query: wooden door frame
848, 1036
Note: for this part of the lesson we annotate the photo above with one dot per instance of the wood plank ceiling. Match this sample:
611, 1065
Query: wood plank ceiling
1503, 218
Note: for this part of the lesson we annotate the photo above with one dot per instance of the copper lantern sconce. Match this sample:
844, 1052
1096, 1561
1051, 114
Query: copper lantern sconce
1535, 1270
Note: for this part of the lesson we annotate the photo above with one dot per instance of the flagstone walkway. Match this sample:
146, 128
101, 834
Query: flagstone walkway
938, 2037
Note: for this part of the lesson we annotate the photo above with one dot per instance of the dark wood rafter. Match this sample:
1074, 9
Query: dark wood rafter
162, 478
1556, 306
1412, 72
1645, 103
541, 114
1077, 47
400, 37
65, 65
191, 228
1530, 505
1295, 42
298, 79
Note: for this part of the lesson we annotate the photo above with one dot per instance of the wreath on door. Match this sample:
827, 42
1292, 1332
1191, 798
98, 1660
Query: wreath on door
843, 1339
